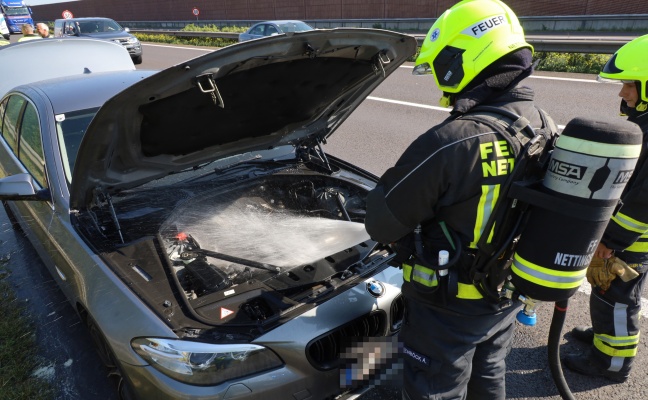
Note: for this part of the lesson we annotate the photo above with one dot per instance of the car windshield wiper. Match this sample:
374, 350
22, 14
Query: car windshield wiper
196, 251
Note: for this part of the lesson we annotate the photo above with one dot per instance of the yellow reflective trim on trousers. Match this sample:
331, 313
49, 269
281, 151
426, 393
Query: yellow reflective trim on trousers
612, 352
632, 340
487, 200
468, 291
546, 277
424, 276
606, 150
630, 224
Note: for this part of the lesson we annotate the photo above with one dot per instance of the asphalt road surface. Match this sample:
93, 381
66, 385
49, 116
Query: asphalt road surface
373, 137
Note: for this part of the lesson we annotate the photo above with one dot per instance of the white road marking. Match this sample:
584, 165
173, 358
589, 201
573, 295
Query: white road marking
409, 104
539, 77
555, 78
209, 50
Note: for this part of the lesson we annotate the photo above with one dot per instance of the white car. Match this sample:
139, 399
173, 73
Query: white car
272, 28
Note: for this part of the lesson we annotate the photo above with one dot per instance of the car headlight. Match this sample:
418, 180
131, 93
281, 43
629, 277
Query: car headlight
198, 363
132, 40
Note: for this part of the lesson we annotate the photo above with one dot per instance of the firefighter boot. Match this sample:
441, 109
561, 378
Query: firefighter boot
583, 364
584, 334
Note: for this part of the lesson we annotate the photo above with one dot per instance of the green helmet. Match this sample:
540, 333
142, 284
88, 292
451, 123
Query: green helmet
630, 63
467, 38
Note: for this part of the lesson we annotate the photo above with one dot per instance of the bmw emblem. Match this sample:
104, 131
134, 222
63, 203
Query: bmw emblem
375, 288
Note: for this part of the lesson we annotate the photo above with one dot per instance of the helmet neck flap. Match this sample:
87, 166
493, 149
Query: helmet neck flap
501, 76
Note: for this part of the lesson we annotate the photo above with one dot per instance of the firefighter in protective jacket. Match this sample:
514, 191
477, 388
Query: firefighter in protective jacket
618, 273
440, 194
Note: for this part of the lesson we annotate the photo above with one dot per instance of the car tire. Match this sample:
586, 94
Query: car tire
115, 374
137, 60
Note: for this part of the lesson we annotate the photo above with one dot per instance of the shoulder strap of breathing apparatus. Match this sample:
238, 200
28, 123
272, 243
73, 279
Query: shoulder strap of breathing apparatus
532, 147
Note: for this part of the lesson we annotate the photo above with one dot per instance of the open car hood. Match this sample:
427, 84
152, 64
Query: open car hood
254, 95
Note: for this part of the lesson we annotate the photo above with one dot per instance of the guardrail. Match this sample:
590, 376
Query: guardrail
531, 24
550, 42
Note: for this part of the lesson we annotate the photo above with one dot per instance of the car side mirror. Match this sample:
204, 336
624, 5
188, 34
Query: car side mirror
127, 30
22, 187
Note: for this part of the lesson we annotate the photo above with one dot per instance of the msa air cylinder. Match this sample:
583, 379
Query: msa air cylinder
588, 170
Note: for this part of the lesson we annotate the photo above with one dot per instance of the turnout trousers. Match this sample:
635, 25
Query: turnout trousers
615, 320
455, 356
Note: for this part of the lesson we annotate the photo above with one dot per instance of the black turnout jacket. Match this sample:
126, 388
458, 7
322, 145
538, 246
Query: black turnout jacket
451, 174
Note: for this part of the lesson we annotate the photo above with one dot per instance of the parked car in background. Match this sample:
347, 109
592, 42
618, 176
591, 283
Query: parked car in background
193, 219
98, 56
270, 28
100, 28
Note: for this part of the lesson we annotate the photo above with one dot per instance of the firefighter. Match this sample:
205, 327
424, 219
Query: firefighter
440, 194
618, 272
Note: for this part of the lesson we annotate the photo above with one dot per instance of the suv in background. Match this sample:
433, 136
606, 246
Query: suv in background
100, 28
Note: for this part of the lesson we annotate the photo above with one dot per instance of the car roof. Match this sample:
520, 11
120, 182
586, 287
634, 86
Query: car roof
79, 92
281, 21
77, 55
85, 19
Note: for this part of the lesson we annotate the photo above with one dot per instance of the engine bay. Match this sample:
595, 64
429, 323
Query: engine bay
248, 253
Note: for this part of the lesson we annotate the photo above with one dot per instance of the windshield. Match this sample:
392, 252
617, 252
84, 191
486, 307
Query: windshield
70, 128
16, 11
294, 27
99, 26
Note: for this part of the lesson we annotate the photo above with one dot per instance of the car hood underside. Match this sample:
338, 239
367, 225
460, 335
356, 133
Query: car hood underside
249, 96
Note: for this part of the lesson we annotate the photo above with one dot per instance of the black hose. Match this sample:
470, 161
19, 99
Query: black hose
553, 348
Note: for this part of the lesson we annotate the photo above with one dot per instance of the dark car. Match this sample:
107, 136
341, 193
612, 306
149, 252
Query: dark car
194, 220
100, 28
270, 28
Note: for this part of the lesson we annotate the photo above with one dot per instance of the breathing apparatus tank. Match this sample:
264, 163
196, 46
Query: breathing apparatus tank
588, 170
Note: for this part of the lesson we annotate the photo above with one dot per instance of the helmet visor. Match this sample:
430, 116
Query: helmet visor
422, 69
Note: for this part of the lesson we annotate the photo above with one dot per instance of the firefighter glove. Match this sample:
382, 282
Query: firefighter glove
629, 273
602, 271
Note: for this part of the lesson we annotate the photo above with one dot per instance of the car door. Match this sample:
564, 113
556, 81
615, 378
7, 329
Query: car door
24, 152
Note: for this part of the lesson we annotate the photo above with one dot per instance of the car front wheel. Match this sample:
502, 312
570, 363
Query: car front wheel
108, 359
137, 60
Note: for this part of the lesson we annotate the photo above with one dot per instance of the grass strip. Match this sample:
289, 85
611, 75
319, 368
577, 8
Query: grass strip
18, 350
